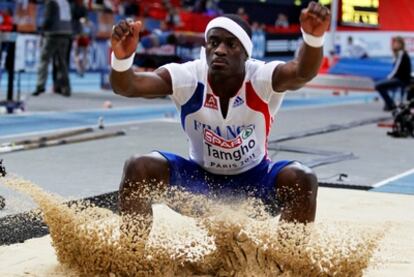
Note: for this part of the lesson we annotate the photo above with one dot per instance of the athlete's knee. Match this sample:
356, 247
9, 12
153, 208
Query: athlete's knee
135, 165
297, 189
298, 179
143, 175
145, 167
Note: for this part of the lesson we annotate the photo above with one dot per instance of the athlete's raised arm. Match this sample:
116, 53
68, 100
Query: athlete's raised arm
314, 22
124, 81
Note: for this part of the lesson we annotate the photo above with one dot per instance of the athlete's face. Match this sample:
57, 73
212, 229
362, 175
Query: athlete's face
224, 52
396, 45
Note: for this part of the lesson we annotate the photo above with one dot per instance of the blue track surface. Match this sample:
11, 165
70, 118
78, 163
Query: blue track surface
373, 68
19, 124
401, 185
91, 82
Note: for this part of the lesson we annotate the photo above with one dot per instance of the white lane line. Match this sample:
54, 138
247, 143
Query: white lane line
398, 176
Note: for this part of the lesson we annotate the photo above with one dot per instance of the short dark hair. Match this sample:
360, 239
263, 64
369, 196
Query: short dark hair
242, 23
401, 41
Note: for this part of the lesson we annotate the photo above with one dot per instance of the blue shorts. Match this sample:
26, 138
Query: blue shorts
258, 182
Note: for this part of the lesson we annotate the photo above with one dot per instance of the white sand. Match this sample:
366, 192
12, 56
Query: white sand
36, 257
396, 255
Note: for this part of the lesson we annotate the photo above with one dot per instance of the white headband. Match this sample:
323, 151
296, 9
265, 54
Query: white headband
234, 28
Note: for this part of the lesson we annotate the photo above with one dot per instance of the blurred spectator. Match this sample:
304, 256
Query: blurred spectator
56, 34
6, 24
164, 35
333, 58
173, 18
200, 6
400, 75
105, 5
116, 6
6, 20
23, 3
25, 16
410, 92
78, 11
164, 29
213, 9
131, 8
259, 41
188, 3
105, 23
242, 13
282, 21
355, 49
82, 42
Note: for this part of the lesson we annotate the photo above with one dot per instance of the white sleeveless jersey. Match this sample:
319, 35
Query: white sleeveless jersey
234, 144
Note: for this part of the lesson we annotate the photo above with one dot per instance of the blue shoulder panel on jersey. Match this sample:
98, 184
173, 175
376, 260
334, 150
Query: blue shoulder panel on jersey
192, 105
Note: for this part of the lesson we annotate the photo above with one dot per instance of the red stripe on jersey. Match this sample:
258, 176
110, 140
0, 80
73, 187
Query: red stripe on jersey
255, 103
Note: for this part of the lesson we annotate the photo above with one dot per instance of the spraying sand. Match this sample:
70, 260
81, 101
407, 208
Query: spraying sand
226, 240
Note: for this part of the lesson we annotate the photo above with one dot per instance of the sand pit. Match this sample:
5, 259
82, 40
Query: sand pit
349, 226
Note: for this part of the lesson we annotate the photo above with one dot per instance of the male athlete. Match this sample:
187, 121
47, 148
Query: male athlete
227, 103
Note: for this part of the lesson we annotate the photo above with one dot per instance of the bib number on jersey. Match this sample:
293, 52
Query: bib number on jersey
236, 153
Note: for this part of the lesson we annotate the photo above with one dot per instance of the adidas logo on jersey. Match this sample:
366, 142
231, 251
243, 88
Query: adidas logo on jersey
211, 102
239, 101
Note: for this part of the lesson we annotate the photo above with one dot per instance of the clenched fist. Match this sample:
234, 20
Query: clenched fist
124, 38
315, 19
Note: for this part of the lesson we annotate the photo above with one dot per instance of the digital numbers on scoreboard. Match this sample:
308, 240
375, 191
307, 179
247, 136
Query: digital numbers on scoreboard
360, 12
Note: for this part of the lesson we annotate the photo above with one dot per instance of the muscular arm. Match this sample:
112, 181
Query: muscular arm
143, 84
293, 75
296, 73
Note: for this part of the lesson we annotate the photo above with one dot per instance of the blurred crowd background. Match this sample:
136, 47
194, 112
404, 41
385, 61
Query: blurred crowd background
173, 29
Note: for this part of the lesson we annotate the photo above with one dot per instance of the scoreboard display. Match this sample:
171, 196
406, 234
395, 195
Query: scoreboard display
360, 12
357, 12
